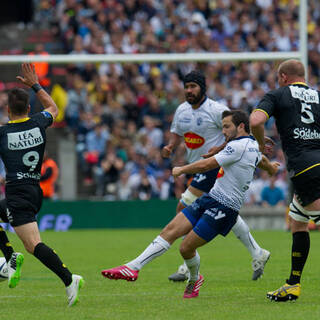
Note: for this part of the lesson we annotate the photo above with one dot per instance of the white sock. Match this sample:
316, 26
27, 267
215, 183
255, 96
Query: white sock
193, 265
242, 232
155, 249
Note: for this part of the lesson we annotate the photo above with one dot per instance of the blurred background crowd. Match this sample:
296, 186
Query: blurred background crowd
120, 114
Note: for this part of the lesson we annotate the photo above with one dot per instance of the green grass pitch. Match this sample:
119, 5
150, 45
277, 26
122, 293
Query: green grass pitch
228, 291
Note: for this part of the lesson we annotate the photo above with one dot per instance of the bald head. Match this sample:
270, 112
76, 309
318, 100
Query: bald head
291, 68
291, 71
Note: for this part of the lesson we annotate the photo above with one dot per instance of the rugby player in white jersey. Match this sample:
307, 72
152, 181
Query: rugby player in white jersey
198, 122
213, 213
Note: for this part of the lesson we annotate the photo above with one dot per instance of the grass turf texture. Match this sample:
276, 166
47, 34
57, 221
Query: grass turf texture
228, 291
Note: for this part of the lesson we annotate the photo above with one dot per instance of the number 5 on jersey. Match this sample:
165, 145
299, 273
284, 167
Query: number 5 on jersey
306, 109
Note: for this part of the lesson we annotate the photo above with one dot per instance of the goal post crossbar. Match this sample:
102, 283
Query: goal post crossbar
151, 57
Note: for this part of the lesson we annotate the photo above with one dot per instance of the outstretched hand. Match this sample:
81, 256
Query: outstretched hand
29, 75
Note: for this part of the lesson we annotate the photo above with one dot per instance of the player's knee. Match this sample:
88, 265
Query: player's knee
187, 198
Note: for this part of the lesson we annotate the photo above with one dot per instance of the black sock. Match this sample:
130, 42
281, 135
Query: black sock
5, 245
51, 260
299, 255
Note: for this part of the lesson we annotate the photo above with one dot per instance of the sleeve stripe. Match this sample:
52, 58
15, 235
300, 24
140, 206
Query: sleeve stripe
262, 111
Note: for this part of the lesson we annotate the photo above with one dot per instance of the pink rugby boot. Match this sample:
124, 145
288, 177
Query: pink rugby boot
192, 289
121, 272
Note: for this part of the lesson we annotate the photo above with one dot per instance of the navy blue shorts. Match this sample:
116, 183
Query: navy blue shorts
205, 181
210, 218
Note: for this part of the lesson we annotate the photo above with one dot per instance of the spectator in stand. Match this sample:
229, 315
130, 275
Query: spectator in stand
124, 189
142, 183
157, 163
96, 144
77, 101
144, 188
164, 186
154, 134
42, 68
272, 195
60, 97
253, 194
49, 176
108, 173
78, 49
97, 139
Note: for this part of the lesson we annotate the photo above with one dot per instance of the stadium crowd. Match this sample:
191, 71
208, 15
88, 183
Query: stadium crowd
121, 113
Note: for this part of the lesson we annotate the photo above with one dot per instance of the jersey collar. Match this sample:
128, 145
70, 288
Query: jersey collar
301, 83
19, 120
244, 137
205, 99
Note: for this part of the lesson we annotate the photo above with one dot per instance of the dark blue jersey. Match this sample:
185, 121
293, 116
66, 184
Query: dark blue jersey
22, 144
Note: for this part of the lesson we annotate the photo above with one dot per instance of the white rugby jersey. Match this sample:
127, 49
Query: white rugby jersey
237, 161
201, 128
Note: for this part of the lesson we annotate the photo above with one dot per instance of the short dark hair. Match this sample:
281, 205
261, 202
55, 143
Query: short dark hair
18, 101
238, 116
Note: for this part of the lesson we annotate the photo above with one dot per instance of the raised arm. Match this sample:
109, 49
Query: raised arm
30, 79
257, 121
174, 140
200, 166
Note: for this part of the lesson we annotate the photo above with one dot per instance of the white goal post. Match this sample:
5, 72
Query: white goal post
176, 57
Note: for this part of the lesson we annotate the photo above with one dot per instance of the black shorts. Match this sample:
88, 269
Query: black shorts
21, 205
307, 186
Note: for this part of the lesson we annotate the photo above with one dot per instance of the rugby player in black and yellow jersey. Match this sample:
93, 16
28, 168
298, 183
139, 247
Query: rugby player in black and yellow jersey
22, 144
296, 109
